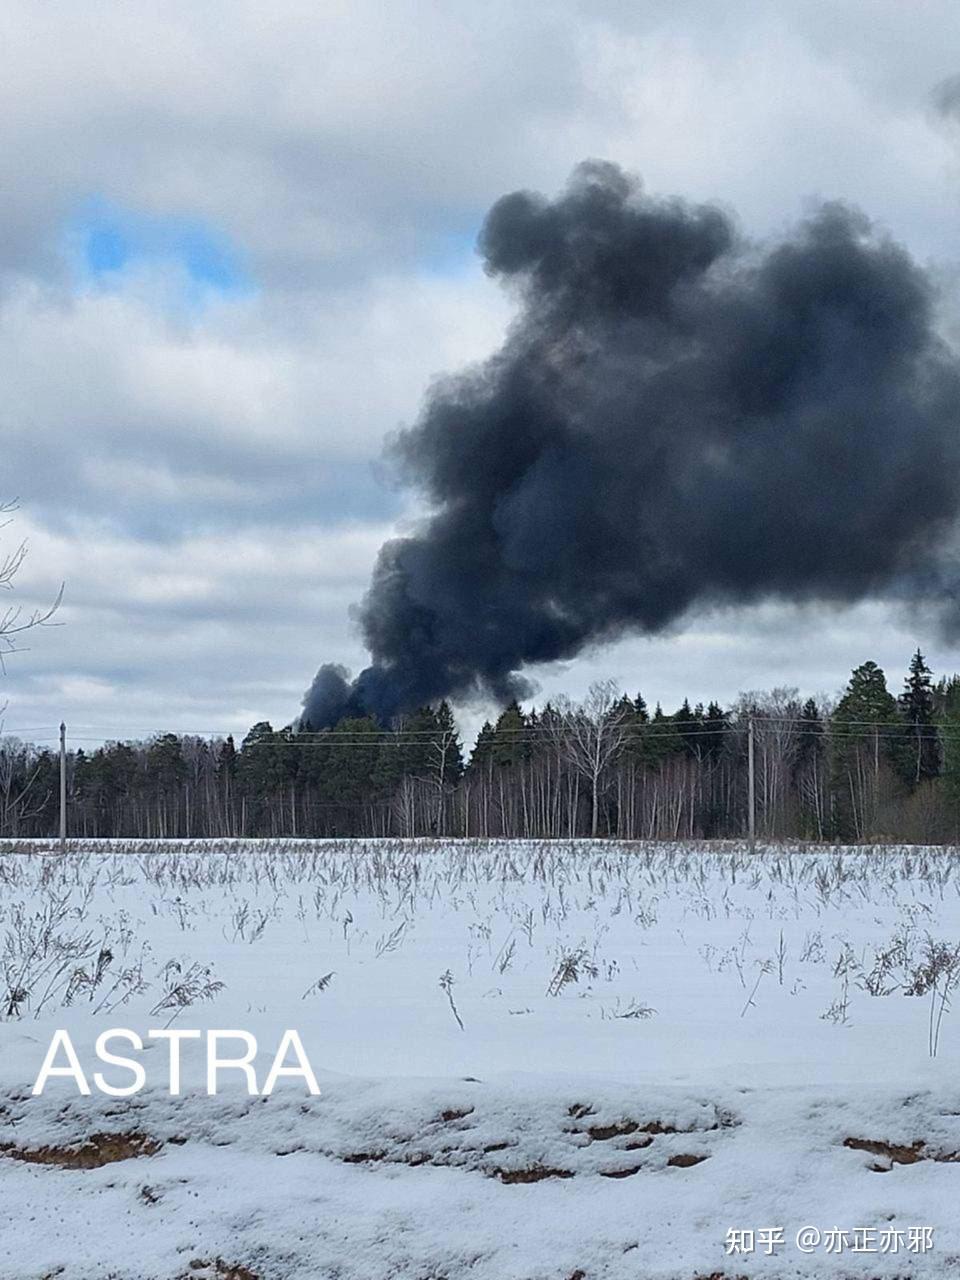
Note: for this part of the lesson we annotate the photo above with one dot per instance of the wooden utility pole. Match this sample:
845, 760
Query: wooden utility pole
63, 787
751, 790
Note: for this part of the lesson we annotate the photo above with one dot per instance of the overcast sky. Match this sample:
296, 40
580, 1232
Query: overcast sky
237, 243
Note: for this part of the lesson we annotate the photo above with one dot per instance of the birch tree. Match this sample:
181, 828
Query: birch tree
591, 735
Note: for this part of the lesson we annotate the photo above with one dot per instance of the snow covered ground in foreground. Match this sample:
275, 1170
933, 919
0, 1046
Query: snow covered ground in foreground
658, 1044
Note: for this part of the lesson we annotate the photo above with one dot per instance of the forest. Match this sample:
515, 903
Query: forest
870, 766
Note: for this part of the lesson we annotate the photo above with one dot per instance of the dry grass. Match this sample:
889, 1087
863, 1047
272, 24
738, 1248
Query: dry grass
200, 1269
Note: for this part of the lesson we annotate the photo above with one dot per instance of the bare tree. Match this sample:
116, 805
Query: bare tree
590, 735
14, 621
776, 717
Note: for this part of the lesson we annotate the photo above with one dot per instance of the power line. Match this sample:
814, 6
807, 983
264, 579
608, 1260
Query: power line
540, 735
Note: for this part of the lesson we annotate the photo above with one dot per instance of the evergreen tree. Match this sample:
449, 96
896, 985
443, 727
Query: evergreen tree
865, 740
227, 763
226, 775
631, 714
662, 740
867, 703
922, 760
715, 725
419, 734
388, 769
689, 722
260, 777
448, 747
948, 699
349, 759
810, 746
483, 747
510, 745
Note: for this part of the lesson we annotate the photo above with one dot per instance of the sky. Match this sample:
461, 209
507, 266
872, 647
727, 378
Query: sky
237, 245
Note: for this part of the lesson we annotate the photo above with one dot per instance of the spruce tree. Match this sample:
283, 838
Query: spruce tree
689, 722
483, 747
715, 724
866, 740
922, 761
811, 734
227, 763
631, 713
661, 739
226, 783
509, 737
448, 742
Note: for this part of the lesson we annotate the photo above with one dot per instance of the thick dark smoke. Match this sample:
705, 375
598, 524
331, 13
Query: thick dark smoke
675, 419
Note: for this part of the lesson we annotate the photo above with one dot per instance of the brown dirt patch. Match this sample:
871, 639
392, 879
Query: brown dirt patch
447, 1117
685, 1161
223, 1270
621, 1173
364, 1157
899, 1153
536, 1173
621, 1129
92, 1153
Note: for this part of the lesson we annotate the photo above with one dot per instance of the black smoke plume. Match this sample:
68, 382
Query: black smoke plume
675, 419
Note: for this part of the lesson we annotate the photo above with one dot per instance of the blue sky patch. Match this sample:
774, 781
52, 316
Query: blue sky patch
109, 240
453, 253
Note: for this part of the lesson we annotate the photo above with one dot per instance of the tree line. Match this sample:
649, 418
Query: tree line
869, 766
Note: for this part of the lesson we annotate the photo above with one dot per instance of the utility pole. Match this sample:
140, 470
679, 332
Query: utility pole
63, 787
751, 789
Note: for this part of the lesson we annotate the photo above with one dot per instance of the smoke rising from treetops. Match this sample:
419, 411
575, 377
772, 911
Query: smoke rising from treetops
676, 418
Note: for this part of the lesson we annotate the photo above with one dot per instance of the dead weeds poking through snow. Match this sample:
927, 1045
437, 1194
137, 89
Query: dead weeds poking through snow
202, 1270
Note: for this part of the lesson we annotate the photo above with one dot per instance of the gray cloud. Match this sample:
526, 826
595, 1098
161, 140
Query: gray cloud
348, 152
946, 96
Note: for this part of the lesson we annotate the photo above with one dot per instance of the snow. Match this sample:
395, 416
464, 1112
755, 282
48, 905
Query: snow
726, 1099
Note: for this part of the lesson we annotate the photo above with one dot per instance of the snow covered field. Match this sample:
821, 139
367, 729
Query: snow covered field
536, 1061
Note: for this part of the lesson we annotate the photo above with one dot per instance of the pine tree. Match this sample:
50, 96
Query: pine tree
811, 734
922, 761
866, 700
865, 740
483, 747
420, 730
448, 745
715, 724
255, 779
354, 752
226, 783
510, 745
662, 739
689, 722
